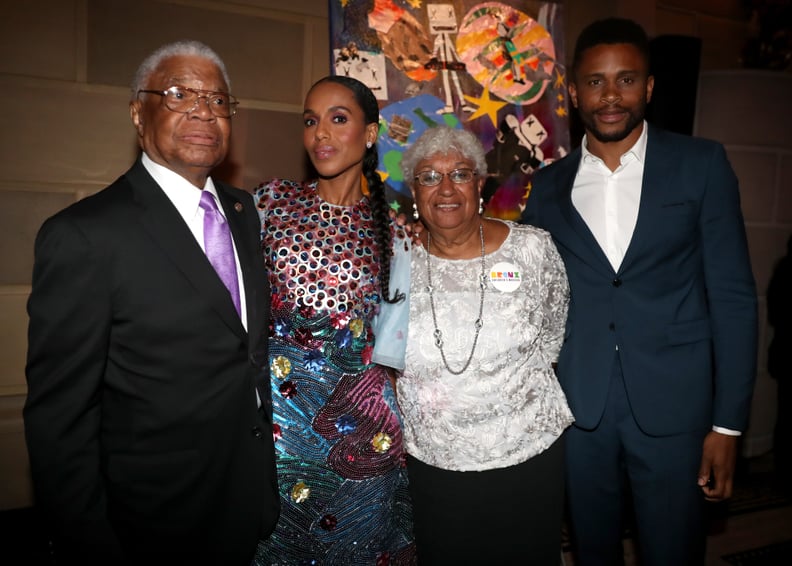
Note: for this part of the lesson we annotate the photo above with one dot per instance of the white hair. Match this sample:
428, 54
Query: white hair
443, 140
178, 48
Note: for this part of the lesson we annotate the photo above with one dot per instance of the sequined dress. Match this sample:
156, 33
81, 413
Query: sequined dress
341, 474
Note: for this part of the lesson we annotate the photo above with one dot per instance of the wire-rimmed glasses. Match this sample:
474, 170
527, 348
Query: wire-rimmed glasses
184, 99
432, 178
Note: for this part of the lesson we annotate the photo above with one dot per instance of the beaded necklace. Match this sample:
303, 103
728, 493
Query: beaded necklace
438, 334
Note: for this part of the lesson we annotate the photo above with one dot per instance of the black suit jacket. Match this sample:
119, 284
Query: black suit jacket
145, 439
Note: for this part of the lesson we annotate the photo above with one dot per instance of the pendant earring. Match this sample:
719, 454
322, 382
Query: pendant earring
415, 212
481, 205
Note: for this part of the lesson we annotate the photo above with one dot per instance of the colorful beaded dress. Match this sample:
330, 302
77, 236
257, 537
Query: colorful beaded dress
338, 440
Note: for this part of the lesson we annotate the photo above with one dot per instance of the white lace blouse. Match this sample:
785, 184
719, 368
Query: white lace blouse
507, 406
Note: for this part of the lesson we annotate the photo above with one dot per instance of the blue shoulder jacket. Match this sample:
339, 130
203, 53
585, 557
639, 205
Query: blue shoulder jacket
390, 324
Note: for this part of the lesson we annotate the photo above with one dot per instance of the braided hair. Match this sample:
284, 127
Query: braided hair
380, 211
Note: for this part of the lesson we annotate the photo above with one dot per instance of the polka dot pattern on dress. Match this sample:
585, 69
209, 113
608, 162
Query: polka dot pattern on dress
319, 253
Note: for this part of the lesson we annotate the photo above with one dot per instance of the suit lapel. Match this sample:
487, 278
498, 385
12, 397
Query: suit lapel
248, 251
167, 228
242, 215
583, 243
653, 191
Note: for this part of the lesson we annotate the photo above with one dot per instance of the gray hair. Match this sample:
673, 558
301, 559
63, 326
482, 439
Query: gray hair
443, 140
177, 49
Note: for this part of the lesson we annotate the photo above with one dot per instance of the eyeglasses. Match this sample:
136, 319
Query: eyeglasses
184, 99
433, 178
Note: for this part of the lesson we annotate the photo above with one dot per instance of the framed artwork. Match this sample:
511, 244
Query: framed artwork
494, 68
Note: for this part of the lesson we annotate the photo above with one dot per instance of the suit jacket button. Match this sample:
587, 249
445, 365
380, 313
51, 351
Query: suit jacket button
617, 282
256, 431
611, 326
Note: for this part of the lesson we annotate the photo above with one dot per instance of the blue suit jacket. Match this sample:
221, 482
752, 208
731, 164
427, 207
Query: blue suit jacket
682, 307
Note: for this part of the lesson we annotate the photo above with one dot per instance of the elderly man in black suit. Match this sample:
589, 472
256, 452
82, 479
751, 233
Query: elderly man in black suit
147, 417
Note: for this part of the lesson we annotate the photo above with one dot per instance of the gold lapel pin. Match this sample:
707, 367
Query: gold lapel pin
238, 207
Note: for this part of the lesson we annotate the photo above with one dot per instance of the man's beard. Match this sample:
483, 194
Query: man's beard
634, 119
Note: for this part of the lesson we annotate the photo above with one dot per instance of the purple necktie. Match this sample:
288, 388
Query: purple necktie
219, 247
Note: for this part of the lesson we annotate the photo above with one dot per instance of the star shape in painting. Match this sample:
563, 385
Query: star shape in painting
528, 188
560, 111
486, 107
560, 79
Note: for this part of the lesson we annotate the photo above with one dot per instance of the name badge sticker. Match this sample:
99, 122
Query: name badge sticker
505, 277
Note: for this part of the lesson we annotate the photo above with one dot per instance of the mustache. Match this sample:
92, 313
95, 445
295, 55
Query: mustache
610, 108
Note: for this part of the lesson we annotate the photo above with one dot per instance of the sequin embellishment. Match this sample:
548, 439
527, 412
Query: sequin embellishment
280, 367
340, 320
288, 389
366, 354
314, 360
381, 442
356, 327
281, 327
345, 424
300, 492
328, 522
304, 337
343, 338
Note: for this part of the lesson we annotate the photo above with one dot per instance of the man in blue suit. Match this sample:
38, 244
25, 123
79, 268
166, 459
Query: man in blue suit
659, 357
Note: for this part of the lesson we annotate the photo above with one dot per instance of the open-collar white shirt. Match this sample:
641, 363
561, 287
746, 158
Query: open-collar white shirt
608, 201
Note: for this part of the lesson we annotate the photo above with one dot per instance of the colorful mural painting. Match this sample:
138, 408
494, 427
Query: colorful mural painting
494, 68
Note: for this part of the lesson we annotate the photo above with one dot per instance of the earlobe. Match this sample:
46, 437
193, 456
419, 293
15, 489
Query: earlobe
371, 134
649, 88
134, 114
572, 94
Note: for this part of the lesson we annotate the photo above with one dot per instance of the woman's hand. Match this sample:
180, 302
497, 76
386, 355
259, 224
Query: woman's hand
412, 229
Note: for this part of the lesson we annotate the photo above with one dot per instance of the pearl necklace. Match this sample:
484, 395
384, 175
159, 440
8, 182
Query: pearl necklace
438, 334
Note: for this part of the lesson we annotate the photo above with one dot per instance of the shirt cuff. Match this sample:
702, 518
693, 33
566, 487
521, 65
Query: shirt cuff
726, 431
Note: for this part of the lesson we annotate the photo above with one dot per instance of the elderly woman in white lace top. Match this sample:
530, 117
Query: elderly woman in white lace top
483, 413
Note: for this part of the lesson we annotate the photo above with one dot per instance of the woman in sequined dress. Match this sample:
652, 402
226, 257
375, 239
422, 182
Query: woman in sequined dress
327, 245
482, 411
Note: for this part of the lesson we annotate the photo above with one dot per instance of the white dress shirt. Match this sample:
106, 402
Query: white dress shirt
186, 198
608, 200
